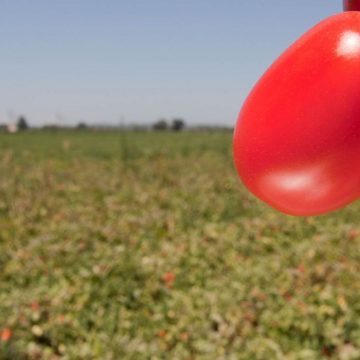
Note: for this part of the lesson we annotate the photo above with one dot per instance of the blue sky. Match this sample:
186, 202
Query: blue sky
135, 61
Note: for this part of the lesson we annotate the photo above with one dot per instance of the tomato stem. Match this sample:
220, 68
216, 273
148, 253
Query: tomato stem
351, 5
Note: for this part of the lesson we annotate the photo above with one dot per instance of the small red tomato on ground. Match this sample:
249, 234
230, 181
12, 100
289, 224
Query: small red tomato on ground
168, 278
353, 234
35, 305
6, 335
161, 333
301, 268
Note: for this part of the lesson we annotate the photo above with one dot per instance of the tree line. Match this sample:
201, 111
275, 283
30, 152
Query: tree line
162, 125
22, 124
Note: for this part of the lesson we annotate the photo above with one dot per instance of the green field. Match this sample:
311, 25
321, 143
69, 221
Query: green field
146, 246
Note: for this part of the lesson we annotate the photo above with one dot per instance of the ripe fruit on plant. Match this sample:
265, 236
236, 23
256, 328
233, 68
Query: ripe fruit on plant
297, 139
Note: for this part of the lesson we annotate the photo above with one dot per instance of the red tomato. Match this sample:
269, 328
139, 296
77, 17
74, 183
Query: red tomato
297, 139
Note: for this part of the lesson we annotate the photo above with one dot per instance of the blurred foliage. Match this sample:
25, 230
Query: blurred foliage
178, 124
160, 125
146, 246
22, 124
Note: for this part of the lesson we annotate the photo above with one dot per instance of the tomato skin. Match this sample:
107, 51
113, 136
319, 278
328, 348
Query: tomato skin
352, 5
297, 139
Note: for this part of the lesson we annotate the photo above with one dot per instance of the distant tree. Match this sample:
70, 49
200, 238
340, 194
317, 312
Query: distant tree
22, 124
160, 125
51, 127
178, 125
81, 126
